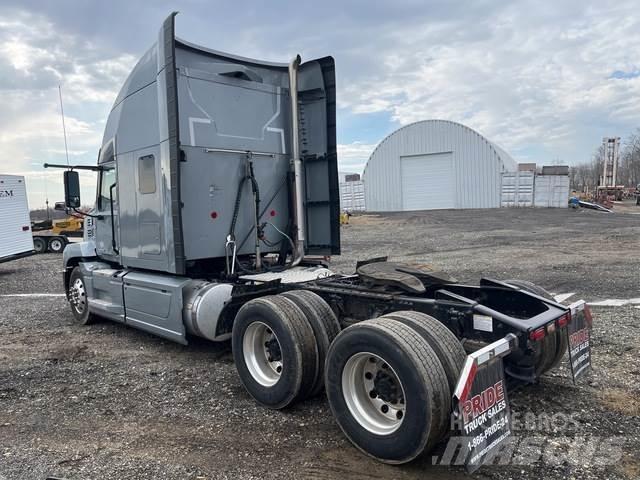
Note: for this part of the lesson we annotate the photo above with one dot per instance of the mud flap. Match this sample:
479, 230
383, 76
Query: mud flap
481, 413
579, 339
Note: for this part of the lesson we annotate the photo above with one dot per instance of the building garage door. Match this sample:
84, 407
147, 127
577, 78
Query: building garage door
428, 181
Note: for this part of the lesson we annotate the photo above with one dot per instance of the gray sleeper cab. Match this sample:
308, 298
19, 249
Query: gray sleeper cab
177, 144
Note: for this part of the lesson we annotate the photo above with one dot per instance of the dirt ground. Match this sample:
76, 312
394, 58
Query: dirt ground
106, 401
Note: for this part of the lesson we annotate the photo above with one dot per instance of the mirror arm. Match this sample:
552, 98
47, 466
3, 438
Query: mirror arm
93, 168
84, 214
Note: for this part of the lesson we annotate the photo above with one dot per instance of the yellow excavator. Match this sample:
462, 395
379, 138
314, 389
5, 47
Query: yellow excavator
71, 226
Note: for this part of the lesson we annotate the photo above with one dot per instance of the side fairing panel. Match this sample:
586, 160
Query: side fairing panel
317, 105
154, 303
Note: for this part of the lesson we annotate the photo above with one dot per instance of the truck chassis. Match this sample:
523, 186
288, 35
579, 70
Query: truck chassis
318, 320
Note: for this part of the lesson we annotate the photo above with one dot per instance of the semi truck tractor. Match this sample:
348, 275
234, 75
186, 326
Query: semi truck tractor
217, 207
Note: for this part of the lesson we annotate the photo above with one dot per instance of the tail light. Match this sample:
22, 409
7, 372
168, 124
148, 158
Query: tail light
538, 334
564, 320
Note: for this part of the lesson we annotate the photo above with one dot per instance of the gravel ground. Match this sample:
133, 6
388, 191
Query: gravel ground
107, 401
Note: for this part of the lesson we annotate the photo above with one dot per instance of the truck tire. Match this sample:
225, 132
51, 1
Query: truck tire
325, 327
554, 345
275, 351
78, 300
442, 340
39, 245
56, 244
387, 390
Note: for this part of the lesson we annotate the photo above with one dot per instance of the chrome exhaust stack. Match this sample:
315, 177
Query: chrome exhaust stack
296, 161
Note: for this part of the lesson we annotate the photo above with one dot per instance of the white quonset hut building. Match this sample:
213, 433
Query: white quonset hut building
435, 164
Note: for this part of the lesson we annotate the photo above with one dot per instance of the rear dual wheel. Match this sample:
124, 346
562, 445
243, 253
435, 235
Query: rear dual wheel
387, 389
280, 344
385, 380
325, 328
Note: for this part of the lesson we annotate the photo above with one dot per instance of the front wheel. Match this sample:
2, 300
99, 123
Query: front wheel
77, 295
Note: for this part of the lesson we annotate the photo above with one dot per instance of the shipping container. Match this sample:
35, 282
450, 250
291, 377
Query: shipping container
552, 191
517, 189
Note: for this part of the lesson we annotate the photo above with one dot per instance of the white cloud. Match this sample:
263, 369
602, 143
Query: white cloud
522, 78
354, 156
36, 57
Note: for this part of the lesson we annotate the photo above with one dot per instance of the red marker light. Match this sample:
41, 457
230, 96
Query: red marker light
214, 215
25, 228
537, 334
564, 320
272, 213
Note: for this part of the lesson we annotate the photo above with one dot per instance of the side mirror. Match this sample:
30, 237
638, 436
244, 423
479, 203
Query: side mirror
71, 189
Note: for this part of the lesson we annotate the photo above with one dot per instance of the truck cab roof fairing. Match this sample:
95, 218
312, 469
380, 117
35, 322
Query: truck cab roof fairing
216, 53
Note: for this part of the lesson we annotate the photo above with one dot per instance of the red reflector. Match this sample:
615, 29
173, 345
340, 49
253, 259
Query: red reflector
214, 215
564, 320
272, 213
25, 228
537, 334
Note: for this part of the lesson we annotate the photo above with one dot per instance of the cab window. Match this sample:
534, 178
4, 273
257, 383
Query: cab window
107, 178
147, 174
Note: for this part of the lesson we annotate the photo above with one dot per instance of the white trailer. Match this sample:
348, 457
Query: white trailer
15, 225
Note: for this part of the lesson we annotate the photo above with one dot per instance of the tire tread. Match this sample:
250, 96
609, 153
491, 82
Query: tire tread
324, 324
442, 340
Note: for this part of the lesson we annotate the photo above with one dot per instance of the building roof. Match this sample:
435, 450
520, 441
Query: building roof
507, 160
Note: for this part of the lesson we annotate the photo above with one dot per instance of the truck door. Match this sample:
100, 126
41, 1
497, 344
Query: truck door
106, 237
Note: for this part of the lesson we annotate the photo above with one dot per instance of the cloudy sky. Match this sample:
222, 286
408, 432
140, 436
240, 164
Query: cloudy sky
546, 80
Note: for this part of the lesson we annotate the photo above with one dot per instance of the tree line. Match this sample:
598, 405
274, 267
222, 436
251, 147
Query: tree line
585, 176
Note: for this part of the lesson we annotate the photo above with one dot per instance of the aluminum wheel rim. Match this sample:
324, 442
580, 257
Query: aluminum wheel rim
259, 359
55, 245
78, 296
376, 411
